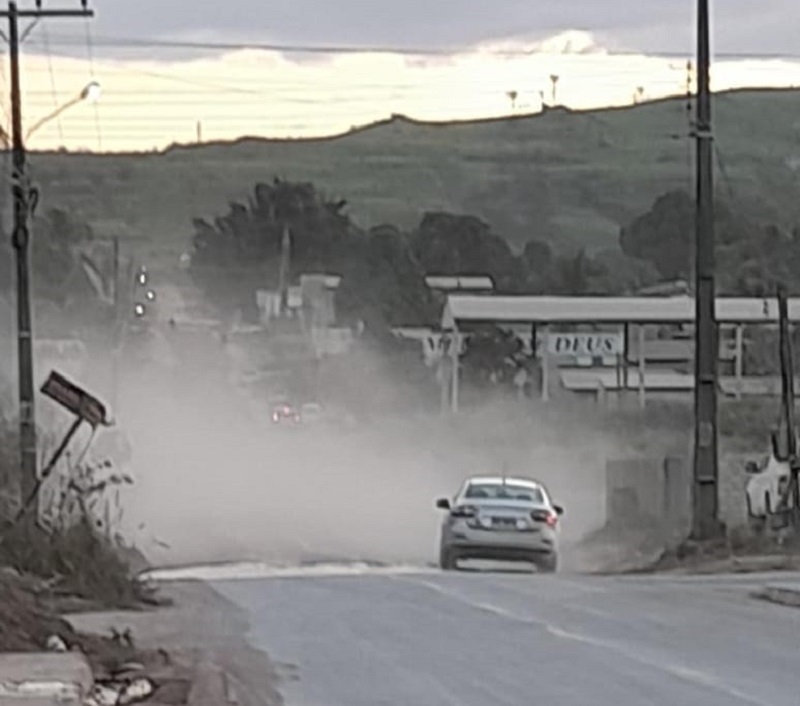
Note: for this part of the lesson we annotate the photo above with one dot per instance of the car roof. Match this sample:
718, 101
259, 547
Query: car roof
500, 480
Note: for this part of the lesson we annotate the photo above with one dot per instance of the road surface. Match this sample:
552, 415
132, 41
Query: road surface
477, 639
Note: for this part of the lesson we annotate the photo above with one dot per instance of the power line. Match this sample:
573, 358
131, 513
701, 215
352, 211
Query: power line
90, 56
51, 71
121, 42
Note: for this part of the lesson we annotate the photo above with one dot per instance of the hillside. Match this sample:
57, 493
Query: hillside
571, 178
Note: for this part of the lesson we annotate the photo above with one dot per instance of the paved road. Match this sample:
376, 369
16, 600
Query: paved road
432, 639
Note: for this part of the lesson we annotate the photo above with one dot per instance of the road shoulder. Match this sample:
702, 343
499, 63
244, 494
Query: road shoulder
205, 631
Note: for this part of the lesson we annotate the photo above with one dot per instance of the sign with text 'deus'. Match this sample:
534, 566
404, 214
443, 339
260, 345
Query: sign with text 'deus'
586, 344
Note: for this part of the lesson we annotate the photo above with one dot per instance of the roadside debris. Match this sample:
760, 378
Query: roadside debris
56, 644
120, 693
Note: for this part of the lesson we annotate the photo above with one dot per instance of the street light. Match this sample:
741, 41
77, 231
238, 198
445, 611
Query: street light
89, 93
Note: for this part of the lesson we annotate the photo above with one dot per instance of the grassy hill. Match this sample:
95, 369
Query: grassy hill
569, 177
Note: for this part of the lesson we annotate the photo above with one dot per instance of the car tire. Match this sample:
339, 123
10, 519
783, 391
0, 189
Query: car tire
547, 564
448, 561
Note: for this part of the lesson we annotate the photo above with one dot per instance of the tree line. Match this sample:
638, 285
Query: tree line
383, 267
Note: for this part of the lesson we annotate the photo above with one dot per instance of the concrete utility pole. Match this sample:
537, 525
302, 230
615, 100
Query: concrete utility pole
706, 472
25, 198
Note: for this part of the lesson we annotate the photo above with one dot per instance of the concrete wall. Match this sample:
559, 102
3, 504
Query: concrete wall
732, 481
655, 492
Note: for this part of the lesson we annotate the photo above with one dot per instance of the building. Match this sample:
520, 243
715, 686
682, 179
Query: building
618, 327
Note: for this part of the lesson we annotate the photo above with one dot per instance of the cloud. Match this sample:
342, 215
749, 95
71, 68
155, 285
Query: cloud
667, 26
151, 103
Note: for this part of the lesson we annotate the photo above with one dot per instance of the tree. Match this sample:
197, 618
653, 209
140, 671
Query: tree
616, 273
239, 252
755, 266
663, 235
492, 356
386, 286
452, 244
57, 239
537, 261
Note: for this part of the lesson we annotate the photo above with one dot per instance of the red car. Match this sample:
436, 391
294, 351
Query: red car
285, 413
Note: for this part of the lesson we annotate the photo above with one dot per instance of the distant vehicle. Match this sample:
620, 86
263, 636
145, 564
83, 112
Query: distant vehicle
503, 519
285, 413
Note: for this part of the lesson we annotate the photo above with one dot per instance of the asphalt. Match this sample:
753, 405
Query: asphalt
473, 639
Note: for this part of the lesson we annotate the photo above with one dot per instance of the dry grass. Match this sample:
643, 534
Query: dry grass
74, 552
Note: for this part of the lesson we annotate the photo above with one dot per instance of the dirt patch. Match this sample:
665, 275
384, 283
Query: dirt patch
725, 555
642, 549
721, 557
25, 621
203, 632
28, 617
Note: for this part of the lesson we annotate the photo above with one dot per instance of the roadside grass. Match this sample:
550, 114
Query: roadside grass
73, 545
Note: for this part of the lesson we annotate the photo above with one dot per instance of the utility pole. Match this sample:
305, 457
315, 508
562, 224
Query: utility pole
284, 272
117, 327
25, 198
787, 403
706, 472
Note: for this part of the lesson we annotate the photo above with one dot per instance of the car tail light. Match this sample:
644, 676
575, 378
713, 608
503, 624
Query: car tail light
549, 517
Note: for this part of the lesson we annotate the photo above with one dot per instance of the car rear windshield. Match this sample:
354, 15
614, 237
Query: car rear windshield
507, 491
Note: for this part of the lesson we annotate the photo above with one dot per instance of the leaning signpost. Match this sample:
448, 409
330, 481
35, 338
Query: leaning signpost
86, 409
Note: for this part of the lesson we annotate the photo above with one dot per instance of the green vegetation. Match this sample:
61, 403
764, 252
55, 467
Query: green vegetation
570, 179
383, 269
71, 545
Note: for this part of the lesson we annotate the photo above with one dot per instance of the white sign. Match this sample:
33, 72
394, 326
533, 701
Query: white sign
437, 346
591, 345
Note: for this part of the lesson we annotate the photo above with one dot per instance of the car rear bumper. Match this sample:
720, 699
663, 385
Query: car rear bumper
500, 553
500, 545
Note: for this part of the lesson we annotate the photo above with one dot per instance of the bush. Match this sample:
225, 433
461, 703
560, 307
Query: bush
74, 544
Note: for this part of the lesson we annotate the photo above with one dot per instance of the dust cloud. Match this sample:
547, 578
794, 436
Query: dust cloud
216, 481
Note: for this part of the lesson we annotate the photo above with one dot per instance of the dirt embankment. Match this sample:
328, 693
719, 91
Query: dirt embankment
30, 615
192, 649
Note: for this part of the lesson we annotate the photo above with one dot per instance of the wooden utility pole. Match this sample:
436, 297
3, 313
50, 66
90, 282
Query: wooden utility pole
787, 403
706, 472
25, 198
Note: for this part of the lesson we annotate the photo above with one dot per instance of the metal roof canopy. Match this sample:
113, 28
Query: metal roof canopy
451, 282
475, 309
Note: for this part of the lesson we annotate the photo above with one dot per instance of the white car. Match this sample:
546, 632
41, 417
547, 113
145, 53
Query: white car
500, 518
767, 486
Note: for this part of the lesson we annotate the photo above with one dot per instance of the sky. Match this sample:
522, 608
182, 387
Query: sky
662, 25
467, 57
